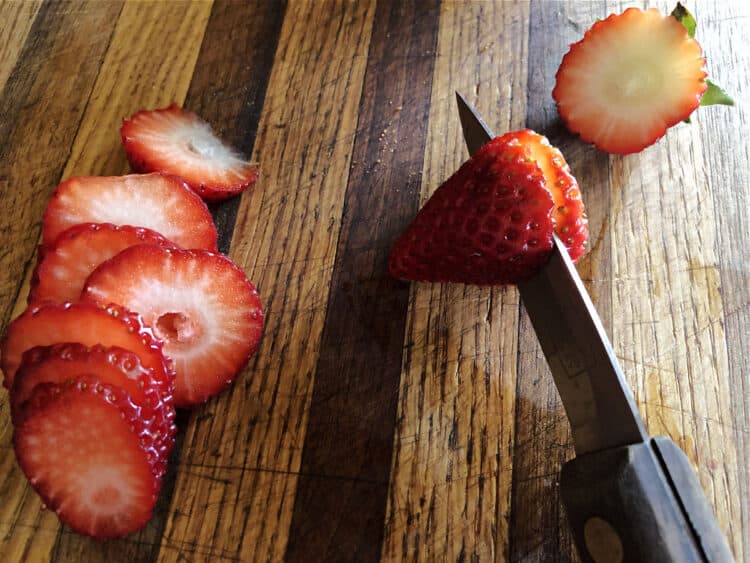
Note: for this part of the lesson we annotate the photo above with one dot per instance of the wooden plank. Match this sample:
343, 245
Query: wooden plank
17, 18
542, 442
32, 154
726, 149
32, 157
449, 496
349, 439
96, 150
230, 80
670, 333
236, 479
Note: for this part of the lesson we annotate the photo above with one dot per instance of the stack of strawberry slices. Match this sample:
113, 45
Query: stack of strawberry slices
132, 312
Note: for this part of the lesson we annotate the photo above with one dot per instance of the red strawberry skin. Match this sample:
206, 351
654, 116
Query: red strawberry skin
490, 223
569, 215
158, 202
176, 141
63, 268
149, 391
199, 303
84, 323
79, 444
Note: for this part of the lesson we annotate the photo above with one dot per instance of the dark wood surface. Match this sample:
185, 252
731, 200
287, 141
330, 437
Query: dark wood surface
382, 420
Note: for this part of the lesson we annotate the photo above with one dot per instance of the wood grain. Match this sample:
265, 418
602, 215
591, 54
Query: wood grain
726, 153
542, 441
17, 18
229, 84
670, 329
449, 495
347, 455
32, 157
237, 475
32, 153
96, 150
382, 420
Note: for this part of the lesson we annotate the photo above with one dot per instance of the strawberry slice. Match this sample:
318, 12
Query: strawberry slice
158, 202
63, 268
147, 389
176, 141
84, 323
79, 444
199, 303
631, 77
492, 221
568, 216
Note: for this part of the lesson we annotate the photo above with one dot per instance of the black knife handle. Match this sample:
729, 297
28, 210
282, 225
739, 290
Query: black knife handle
640, 503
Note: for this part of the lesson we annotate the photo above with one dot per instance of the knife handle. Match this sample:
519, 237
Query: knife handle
640, 503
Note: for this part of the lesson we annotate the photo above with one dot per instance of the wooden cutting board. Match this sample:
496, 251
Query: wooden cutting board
380, 419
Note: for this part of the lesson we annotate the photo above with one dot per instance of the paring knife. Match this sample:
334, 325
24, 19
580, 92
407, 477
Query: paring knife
628, 496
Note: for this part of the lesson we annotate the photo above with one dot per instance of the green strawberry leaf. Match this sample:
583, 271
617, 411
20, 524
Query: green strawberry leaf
715, 95
681, 14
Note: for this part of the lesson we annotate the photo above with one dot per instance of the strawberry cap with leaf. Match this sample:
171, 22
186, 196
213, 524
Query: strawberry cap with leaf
633, 76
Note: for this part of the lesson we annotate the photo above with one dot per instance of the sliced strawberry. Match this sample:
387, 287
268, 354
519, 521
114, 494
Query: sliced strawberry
84, 323
203, 306
568, 216
149, 391
631, 77
492, 221
79, 444
65, 265
176, 141
158, 202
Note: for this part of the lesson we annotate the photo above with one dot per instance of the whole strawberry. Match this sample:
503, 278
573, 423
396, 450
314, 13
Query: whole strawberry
492, 222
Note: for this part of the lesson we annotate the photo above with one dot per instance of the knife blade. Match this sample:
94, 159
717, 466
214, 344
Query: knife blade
629, 497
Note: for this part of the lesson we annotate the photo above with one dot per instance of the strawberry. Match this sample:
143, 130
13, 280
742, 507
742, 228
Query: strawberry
568, 215
176, 141
631, 77
492, 221
79, 444
148, 390
158, 202
199, 303
77, 251
84, 323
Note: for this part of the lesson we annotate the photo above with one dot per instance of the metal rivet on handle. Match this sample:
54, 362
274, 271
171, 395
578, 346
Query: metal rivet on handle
602, 541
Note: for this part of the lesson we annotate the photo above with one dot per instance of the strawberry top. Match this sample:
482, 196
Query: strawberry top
631, 77
176, 141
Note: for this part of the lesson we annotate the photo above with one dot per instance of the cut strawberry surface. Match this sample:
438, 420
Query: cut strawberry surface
64, 266
204, 308
83, 323
631, 77
568, 216
79, 444
176, 141
489, 223
158, 202
148, 390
